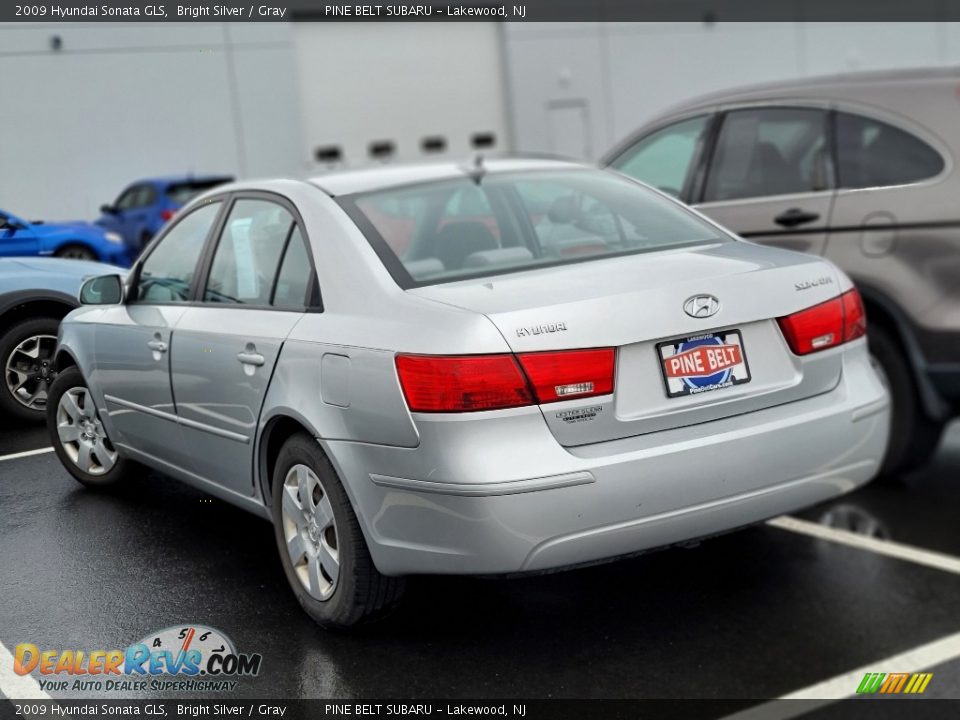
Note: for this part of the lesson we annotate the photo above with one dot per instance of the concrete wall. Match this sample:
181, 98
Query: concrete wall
123, 101
575, 89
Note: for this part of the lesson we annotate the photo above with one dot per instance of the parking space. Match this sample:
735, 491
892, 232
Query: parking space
755, 614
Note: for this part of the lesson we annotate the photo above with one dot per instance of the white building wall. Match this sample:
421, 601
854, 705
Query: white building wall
620, 75
400, 83
122, 101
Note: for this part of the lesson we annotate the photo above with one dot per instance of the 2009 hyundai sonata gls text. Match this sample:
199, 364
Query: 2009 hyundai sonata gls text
514, 366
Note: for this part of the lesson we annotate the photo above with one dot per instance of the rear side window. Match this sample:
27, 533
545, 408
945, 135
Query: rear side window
508, 222
871, 153
664, 158
246, 259
293, 280
168, 271
769, 151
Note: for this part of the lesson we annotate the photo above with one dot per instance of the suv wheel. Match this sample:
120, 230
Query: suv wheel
27, 357
78, 436
322, 549
76, 252
913, 436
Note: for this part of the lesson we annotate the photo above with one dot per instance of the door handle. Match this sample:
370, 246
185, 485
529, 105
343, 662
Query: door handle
251, 358
157, 346
795, 216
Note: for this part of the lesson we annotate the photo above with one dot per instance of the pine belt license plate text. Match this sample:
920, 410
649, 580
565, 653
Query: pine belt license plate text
703, 363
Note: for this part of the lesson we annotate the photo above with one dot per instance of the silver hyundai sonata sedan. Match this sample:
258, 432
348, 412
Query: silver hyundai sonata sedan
507, 367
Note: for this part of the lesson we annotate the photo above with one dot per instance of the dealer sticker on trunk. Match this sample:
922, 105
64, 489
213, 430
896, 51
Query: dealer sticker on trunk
702, 363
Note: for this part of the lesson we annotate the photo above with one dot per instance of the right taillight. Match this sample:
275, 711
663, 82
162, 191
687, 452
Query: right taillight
826, 325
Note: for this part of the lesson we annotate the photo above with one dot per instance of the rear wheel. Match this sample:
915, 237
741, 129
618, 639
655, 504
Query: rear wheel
322, 549
27, 356
77, 434
76, 252
913, 436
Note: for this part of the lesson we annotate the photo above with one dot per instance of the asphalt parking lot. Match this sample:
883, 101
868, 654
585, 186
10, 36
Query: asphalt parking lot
756, 614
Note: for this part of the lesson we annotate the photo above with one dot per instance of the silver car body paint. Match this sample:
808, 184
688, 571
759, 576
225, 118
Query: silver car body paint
506, 490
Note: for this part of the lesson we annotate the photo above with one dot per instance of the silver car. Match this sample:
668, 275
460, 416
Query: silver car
507, 367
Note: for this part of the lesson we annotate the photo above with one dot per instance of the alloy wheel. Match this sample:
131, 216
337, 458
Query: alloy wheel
30, 371
81, 433
310, 532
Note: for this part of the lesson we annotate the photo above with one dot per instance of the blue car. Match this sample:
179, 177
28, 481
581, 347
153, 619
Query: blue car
143, 208
35, 294
74, 239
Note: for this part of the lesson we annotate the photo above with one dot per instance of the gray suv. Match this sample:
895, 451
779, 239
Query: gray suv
858, 168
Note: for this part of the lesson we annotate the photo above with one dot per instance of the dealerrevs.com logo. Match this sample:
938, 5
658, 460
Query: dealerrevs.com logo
182, 658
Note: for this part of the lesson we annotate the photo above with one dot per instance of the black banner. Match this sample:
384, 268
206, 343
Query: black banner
705, 11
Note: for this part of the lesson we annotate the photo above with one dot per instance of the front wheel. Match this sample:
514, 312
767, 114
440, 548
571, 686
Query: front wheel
322, 549
913, 436
76, 252
78, 435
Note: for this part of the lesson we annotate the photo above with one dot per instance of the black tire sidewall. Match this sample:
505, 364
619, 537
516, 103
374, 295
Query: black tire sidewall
340, 609
87, 253
66, 380
9, 406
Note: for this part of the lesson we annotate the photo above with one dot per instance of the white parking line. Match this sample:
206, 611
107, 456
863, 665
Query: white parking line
17, 687
919, 556
918, 659
26, 453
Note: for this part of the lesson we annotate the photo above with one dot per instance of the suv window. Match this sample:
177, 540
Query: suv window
246, 259
769, 151
167, 273
871, 153
664, 158
136, 197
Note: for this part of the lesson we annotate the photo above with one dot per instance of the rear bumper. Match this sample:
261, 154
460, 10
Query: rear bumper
489, 495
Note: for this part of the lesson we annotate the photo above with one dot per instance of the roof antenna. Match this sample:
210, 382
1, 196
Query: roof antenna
476, 169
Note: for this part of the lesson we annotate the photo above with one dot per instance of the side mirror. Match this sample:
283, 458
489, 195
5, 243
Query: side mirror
102, 290
108, 209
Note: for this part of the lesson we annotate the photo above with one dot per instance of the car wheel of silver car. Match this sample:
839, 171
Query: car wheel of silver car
914, 437
27, 356
321, 546
78, 435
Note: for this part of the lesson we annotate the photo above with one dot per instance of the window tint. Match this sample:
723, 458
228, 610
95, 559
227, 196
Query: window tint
514, 221
136, 197
664, 158
769, 151
293, 281
246, 258
168, 271
872, 154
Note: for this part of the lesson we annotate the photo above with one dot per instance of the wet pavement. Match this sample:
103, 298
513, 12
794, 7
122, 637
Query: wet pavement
754, 614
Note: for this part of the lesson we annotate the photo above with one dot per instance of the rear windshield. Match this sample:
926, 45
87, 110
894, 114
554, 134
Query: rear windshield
450, 230
182, 193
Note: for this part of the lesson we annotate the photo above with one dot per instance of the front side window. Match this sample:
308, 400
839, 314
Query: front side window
168, 271
871, 153
769, 151
515, 221
665, 158
246, 259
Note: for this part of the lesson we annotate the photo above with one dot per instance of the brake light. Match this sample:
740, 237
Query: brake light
569, 374
826, 325
464, 383
167, 214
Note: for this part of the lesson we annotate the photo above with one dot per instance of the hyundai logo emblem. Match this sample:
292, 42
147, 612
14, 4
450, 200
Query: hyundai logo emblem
701, 306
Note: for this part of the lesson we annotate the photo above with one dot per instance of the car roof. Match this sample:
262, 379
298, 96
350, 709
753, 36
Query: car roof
843, 84
356, 181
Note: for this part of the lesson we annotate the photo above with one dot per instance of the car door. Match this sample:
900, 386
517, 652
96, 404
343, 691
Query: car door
225, 347
131, 359
769, 176
17, 237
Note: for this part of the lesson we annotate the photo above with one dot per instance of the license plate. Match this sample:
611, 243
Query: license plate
703, 363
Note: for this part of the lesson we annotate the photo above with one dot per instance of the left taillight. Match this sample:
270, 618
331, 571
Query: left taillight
465, 383
167, 214
826, 325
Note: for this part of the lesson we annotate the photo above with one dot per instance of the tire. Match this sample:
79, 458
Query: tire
913, 436
345, 588
76, 252
77, 435
27, 379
